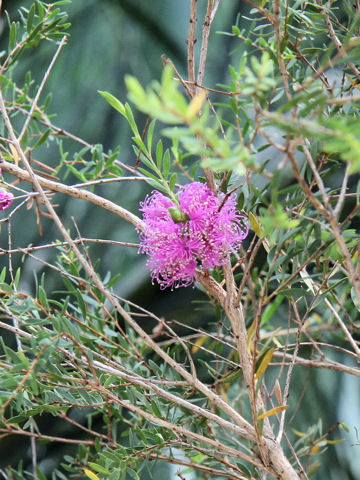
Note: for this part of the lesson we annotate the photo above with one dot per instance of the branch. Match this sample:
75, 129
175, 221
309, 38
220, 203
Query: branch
212, 7
72, 192
41, 88
191, 43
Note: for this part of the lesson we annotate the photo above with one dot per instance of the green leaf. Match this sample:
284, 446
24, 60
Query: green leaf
114, 102
156, 184
148, 174
12, 36
42, 139
136, 91
130, 118
42, 297
271, 309
30, 18
159, 154
166, 164
39, 473
98, 468
150, 134
172, 181
132, 473
294, 292
354, 298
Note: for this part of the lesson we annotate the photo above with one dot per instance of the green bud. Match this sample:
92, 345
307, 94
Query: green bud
177, 215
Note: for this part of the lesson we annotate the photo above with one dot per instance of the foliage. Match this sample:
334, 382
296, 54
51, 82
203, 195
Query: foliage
283, 133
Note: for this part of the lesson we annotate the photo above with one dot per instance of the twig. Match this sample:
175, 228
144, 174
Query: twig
25, 250
192, 381
7, 432
212, 7
344, 328
289, 372
71, 191
341, 199
339, 46
190, 45
41, 87
283, 70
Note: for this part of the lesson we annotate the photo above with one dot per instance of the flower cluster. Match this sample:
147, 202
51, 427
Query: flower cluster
6, 199
200, 233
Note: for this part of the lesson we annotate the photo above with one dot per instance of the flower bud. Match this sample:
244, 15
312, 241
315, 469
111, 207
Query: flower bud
177, 215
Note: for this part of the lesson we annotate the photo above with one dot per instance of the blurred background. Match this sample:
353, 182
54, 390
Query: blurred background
108, 39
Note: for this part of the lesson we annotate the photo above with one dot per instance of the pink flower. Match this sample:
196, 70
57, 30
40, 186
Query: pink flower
202, 233
6, 199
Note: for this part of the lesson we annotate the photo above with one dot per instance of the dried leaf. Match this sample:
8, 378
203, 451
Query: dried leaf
277, 390
14, 154
273, 411
264, 362
91, 474
195, 105
199, 342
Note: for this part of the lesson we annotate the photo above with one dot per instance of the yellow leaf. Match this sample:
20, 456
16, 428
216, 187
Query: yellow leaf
335, 442
273, 411
353, 83
195, 105
254, 222
14, 154
199, 342
264, 362
319, 320
307, 323
251, 332
91, 474
314, 449
276, 341
299, 434
223, 393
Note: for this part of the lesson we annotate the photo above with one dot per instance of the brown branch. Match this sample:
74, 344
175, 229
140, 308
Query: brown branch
190, 44
71, 191
212, 7
25, 250
10, 431
339, 46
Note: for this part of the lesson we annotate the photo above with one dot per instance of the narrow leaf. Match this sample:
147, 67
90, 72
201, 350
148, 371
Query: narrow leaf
114, 102
195, 105
277, 390
273, 411
91, 474
14, 154
264, 362
99, 468
159, 153
254, 222
199, 342
166, 164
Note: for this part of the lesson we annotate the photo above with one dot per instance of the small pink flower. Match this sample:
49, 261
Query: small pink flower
6, 199
208, 228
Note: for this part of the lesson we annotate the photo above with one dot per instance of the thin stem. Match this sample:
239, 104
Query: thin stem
41, 87
190, 44
71, 191
212, 7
